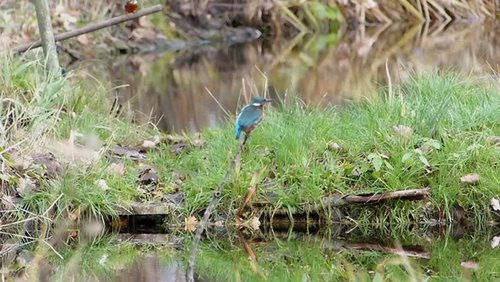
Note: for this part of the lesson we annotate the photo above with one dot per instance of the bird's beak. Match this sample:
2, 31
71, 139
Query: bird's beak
268, 100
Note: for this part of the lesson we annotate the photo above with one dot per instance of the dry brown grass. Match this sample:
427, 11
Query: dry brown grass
389, 11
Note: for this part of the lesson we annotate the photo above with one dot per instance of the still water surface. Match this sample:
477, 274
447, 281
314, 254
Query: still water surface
187, 91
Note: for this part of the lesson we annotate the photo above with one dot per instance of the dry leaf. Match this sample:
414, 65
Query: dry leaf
470, 265
52, 168
470, 179
83, 39
190, 223
255, 223
125, 152
495, 204
402, 131
495, 242
117, 169
26, 187
493, 140
72, 215
102, 183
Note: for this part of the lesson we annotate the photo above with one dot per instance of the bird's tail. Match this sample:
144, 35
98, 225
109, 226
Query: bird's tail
238, 132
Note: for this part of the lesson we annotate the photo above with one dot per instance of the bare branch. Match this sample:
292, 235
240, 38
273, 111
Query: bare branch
91, 28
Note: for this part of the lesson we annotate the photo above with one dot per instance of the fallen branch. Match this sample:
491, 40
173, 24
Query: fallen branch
412, 194
366, 198
91, 28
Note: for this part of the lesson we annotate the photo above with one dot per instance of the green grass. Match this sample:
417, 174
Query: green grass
449, 114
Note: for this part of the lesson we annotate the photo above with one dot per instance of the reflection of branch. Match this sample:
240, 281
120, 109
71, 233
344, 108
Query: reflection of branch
91, 28
379, 248
210, 208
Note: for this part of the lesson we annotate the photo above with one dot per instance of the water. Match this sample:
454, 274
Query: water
331, 253
190, 90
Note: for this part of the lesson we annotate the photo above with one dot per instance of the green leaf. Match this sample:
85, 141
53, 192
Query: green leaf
388, 165
433, 143
423, 160
376, 161
407, 157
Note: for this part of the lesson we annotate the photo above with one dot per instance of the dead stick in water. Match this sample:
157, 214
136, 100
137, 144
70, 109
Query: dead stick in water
91, 28
208, 212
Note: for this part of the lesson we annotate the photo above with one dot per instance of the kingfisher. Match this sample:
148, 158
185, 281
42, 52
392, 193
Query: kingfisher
250, 116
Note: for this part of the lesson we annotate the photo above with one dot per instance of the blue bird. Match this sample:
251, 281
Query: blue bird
250, 116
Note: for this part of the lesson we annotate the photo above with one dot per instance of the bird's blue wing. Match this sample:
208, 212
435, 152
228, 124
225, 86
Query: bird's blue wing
249, 116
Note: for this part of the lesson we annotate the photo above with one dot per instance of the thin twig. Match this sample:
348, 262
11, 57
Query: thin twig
53, 203
91, 28
217, 101
211, 206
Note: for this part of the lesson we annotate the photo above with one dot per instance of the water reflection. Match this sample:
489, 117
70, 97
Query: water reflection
324, 69
291, 256
151, 269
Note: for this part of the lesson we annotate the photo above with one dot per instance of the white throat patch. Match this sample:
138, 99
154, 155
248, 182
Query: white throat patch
256, 104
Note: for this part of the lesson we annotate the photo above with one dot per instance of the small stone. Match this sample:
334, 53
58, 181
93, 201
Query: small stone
495, 204
117, 169
470, 265
495, 242
179, 148
102, 184
334, 146
148, 176
148, 144
470, 179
